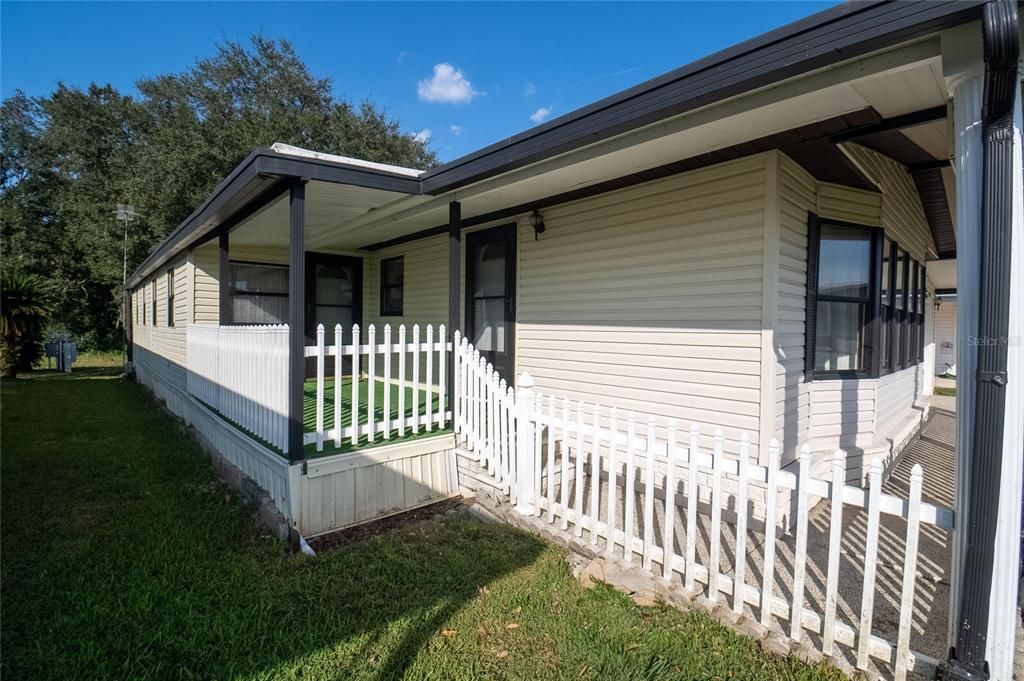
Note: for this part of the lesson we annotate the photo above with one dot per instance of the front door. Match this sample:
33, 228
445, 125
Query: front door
334, 295
490, 295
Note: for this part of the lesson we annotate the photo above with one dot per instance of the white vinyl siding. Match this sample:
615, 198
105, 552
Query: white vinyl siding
649, 298
945, 336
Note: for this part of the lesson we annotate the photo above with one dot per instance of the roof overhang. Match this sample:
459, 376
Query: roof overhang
710, 105
254, 184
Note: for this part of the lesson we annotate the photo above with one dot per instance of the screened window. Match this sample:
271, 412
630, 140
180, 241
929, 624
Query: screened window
392, 286
259, 293
865, 303
170, 297
152, 297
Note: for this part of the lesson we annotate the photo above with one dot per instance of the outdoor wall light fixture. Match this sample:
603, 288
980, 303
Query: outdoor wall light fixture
537, 220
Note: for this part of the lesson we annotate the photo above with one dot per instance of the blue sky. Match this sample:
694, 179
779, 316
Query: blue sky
469, 73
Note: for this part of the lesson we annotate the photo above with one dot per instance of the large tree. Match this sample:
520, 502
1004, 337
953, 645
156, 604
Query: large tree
69, 158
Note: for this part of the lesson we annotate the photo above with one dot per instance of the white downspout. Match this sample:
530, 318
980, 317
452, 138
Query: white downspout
963, 68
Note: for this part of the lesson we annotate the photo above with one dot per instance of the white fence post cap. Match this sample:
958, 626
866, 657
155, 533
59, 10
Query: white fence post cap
525, 381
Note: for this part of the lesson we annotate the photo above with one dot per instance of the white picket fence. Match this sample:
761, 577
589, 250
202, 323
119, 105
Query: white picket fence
544, 454
242, 372
415, 366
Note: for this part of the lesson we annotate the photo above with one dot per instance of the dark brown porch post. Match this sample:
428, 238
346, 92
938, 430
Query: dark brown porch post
296, 315
454, 270
224, 279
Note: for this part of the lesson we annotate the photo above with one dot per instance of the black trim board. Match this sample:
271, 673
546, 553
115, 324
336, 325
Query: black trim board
844, 32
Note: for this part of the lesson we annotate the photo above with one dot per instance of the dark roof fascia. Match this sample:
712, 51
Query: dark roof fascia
788, 141
844, 32
250, 180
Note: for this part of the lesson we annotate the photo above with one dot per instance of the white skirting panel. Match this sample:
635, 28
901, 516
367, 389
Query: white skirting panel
264, 467
349, 489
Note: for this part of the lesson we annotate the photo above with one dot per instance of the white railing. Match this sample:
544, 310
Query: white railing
410, 374
551, 468
485, 415
242, 372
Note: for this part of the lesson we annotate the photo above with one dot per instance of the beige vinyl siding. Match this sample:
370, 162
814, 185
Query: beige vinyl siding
866, 417
162, 347
206, 274
849, 204
902, 213
797, 197
425, 294
945, 336
649, 298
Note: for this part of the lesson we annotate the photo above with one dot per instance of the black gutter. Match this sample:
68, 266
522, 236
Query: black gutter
1001, 43
847, 31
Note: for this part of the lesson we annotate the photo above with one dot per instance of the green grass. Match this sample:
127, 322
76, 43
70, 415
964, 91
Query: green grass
947, 392
124, 558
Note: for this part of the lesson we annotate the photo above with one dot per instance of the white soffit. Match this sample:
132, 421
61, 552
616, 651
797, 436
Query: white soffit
942, 273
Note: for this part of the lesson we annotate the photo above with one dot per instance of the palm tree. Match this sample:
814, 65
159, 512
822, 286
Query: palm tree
25, 301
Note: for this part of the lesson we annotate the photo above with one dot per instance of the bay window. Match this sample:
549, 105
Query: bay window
865, 303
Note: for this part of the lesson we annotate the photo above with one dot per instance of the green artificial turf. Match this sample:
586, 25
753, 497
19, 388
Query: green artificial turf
125, 558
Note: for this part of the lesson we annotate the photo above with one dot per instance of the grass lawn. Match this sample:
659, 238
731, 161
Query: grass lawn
124, 558
948, 392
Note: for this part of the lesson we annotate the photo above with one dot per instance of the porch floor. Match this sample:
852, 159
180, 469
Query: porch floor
309, 414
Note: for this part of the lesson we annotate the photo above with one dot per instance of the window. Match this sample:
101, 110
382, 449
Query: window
170, 297
152, 297
259, 293
392, 286
885, 311
865, 303
843, 303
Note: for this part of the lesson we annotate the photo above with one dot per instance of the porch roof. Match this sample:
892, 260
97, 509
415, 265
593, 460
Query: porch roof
791, 77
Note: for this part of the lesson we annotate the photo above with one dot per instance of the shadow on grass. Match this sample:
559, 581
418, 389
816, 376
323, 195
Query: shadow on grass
125, 558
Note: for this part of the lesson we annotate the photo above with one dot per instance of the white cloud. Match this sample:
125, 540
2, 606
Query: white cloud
541, 114
456, 130
448, 84
529, 89
401, 56
423, 135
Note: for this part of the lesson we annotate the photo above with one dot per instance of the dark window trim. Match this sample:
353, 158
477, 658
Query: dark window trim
385, 311
232, 291
872, 328
313, 259
152, 293
170, 297
909, 351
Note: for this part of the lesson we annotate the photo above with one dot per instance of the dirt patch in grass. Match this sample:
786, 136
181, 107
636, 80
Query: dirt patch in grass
351, 535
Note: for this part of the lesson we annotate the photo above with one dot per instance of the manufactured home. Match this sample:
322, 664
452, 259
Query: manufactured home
733, 261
